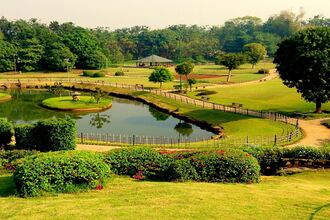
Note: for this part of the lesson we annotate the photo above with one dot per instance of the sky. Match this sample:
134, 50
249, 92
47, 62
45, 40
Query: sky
153, 13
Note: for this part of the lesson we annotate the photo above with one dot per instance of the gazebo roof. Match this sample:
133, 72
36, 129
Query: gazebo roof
154, 59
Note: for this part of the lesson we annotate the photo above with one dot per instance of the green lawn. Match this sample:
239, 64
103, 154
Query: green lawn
4, 97
298, 196
85, 103
140, 75
268, 96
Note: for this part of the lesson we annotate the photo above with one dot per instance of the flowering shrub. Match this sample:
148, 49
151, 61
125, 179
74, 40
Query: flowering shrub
63, 171
8, 159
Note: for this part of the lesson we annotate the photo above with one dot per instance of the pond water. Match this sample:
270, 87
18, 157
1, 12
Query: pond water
125, 117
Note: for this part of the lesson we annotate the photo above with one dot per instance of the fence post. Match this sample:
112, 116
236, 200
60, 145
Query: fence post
275, 139
133, 140
82, 137
247, 140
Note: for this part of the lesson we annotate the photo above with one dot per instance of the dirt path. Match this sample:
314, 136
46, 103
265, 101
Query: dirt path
315, 133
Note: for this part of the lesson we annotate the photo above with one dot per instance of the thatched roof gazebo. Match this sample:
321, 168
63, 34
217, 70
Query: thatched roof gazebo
153, 60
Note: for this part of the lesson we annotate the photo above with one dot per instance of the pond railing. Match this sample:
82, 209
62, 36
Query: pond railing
286, 137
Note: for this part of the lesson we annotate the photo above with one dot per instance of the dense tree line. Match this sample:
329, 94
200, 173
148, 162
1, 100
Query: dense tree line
30, 45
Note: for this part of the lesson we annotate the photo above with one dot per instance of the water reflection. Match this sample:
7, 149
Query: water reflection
184, 129
158, 115
99, 120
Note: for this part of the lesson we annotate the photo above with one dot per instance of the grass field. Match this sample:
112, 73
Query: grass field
298, 196
268, 96
140, 75
4, 97
84, 103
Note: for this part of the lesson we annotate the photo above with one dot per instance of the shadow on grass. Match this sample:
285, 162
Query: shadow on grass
7, 186
318, 209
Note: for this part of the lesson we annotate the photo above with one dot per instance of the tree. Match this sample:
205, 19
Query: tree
160, 75
185, 69
30, 53
98, 94
191, 82
95, 60
231, 61
58, 57
7, 56
254, 53
303, 62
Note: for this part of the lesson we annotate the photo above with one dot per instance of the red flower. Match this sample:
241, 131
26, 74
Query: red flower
99, 187
139, 175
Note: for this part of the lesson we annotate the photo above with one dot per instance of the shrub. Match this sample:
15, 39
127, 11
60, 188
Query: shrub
269, 158
143, 161
8, 158
56, 134
6, 132
66, 171
183, 170
263, 71
119, 73
326, 123
88, 73
301, 152
25, 137
99, 74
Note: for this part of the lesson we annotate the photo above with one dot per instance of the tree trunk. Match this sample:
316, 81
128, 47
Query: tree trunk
253, 65
180, 82
318, 107
161, 84
229, 76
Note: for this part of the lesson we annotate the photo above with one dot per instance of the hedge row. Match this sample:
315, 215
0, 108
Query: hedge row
47, 135
212, 166
91, 74
271, 159
6, 132
65, 171
8, 159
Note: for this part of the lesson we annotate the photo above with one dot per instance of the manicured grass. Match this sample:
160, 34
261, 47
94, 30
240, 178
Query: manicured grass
84, 103
298, 196
4, 97
140, 75
268, 96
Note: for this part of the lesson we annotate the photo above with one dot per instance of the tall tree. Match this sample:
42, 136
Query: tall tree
7, 56
254, 53
231, 61
30, 53
303, 62
58, 57
184, 69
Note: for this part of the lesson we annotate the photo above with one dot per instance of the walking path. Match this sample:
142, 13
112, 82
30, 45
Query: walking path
315, 134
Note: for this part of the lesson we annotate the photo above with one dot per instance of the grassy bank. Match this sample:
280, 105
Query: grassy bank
278, 197
4, 97
267, 96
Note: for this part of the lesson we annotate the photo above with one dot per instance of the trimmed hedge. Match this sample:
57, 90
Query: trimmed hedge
119, 73
56, 172
6, 132
25, 136
87, 73
212, 166
271, 158
146, 162
263, 71
53, 134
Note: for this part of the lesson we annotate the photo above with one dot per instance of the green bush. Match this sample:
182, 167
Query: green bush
301, 152
56, 134
119, 73
205, 92
263, 71
55, 172
144, 161
88, 73
6, 132
8, 158
25, 137
270, 158
98, 74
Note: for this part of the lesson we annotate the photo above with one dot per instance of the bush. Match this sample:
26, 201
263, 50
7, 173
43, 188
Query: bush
301, 152
66, 171
145, 162
25, 137
8, 158
6, 132
216, 166
56, 134
269, 158
119, 73
263, 71
88, 73
326, 123
99, 74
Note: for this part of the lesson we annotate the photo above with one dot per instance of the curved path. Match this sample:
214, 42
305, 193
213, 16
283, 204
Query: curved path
315, 134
